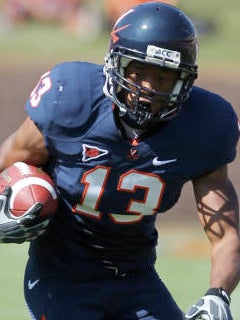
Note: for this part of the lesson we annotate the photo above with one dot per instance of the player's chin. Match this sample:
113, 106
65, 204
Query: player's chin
158, 105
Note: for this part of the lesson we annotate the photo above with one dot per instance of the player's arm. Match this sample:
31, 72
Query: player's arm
217, 205
218, 212
26, 144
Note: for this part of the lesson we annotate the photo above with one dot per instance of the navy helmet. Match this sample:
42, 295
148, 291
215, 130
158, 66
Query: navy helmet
152, 33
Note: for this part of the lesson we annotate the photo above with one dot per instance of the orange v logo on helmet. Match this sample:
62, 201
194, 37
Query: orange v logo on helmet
114, 35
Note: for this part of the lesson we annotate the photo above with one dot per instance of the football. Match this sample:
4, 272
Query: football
29, 185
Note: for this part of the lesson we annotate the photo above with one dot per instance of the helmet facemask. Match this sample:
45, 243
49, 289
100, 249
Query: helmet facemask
139, 114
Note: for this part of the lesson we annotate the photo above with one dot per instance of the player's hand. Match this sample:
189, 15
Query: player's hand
213, 306
18, 230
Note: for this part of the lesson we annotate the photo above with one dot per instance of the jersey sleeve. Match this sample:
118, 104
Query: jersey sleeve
226, 133
61, 101
217, 129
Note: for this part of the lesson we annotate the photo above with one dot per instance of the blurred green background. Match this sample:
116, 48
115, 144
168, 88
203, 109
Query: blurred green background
34, 42
33, 47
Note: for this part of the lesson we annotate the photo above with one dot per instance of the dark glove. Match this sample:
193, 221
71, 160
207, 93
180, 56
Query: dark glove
19, 229
214, 305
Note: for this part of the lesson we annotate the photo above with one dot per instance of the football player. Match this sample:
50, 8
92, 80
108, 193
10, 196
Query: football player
120, 141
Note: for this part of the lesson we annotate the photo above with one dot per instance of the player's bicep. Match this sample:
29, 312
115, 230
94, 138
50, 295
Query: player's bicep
25, 144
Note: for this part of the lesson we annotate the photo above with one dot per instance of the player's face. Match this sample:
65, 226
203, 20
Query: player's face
152, 79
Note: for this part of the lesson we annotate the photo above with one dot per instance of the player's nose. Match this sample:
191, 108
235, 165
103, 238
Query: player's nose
149, 84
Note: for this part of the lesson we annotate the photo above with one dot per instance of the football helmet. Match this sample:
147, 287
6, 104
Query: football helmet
152, 33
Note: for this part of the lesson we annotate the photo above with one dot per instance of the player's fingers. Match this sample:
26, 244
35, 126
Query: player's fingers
32, 213
7, 191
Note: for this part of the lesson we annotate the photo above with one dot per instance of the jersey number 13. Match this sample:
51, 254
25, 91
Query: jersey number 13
95, 181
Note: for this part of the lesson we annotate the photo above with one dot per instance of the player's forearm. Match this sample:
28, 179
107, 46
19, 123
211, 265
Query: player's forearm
26, 144
225, 264
7, 157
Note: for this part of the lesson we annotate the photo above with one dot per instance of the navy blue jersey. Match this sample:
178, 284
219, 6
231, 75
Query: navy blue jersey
110, 188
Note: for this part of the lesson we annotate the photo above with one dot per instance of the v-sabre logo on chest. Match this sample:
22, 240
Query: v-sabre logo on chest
91, 152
